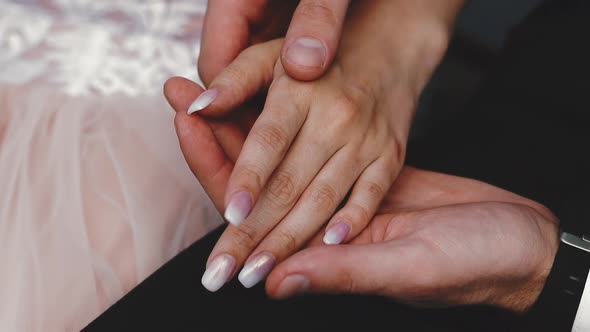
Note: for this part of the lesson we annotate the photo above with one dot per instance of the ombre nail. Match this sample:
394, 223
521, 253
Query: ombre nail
337, 233
307, 52
256, 270
218, 272
238, 208
203, 100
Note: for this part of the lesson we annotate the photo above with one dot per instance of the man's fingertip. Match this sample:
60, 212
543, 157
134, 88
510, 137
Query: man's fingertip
302, 73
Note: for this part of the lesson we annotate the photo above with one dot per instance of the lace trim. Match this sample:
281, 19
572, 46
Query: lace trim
99, 47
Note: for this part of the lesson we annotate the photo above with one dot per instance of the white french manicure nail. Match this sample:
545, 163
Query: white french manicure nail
238, 208
203, 100
256, 270
337, 233
218, 272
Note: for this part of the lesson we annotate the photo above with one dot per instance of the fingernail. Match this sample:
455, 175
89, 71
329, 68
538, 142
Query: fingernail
308, 52
337, 233
203, 100
218, 272
256, 270
292, 285
238, 208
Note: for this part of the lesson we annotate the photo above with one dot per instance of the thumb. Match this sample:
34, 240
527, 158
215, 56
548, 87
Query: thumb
313, 38
250, 73
366, 268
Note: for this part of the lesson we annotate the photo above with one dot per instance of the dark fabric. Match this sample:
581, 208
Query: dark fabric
525, 131
174, 300
563, 290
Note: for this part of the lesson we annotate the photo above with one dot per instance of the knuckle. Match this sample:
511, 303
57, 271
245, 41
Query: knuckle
347, 110
245, 235
236, 77
288, 240
324, 197
252, 175
314, 12
272, 136
282, 189
233, 73
374, 189
360, 213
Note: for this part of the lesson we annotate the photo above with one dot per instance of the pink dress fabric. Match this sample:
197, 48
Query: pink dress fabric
95, 194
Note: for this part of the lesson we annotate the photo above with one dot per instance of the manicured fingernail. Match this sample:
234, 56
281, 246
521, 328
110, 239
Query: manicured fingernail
218, 272
292, 285
256, 270
337, 233
203, 100
238, 208
308, 52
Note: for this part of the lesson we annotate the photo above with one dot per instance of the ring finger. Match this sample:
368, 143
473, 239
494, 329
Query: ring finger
316, 205
277, 198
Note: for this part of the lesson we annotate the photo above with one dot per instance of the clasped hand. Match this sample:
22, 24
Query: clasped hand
280, 174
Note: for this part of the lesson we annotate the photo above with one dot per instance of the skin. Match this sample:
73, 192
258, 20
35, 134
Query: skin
245, 23
436, 239
314, 142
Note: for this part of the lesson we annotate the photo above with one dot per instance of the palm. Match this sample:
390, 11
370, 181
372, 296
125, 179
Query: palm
443, 229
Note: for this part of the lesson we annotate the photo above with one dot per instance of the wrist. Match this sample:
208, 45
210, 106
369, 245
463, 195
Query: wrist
430, 25
523, 295
410, 37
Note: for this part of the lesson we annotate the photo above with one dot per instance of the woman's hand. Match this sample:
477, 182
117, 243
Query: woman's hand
317, 141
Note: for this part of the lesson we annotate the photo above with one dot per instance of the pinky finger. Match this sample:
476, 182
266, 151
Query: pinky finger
367, 194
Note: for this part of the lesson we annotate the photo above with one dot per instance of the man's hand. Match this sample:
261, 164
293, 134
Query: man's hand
311, 42
438, 239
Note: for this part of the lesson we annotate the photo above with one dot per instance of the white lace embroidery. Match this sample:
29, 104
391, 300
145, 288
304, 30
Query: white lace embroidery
100, 47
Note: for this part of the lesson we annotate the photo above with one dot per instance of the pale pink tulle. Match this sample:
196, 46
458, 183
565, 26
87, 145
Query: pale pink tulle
95, 195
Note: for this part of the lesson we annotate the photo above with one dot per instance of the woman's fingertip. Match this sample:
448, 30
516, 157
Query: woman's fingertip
203, 101
337, 233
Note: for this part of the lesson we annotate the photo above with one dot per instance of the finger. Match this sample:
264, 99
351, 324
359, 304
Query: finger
315, 206
365, 268
317, 239
226, 32
201, 149
249, 74
275, 201
266, 145
230, 137
361, 206
180, 92
204, 156
313, 38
